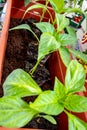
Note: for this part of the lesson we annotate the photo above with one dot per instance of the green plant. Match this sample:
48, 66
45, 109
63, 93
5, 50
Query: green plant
15, 112
48, 103
53, 39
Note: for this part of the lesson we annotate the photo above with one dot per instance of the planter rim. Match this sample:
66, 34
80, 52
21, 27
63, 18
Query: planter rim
2, 128
4, 35
35, 13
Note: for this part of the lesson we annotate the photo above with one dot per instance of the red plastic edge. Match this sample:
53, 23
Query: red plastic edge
56, 66
4, 35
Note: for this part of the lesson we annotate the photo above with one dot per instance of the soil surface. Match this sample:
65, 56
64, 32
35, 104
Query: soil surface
21, 52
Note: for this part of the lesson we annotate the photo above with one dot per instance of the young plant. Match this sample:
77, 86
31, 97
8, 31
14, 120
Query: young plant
52, 39
15, 112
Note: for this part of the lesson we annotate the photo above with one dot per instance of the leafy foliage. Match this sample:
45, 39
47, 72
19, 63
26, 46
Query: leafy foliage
50, 102
52, 40
14, 112
48, 105
75, 77
75, 123
21, 84
24, 26
74, 103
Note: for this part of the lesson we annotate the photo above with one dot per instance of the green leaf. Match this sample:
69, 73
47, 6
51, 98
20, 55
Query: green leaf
26, 2
45, 27
35, 6
75, 123
79, 54
47, 102
47, 45
75, 77
62, 21
58, 5
50, 119
76, 103
66, 39
71, 10
14, 112
24, 26
19, 83
71, 32
59, 89
39, 6
65, 55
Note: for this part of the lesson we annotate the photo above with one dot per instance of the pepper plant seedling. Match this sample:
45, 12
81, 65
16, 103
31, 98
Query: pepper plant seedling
52, 39
15, 112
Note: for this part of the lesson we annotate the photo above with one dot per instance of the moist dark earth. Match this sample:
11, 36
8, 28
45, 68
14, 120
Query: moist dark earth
21, 52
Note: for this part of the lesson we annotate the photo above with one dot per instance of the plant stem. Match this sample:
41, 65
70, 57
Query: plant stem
44, 10
34, 68
35, 36
66, 112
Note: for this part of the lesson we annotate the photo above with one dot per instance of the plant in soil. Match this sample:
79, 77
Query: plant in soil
22, 53
49, 103
15, 112
53, 39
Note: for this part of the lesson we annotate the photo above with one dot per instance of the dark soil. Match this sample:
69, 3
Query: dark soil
21, 52
41, 123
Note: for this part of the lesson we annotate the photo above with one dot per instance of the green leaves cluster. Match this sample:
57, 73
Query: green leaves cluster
53, 39
15, 112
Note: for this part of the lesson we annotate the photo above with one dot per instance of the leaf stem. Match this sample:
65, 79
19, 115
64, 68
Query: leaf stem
66, 112
34, 68
44, 10
35, 36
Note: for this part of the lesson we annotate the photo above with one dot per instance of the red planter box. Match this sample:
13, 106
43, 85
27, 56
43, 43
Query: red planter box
4, 35
56, 66
18, 11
